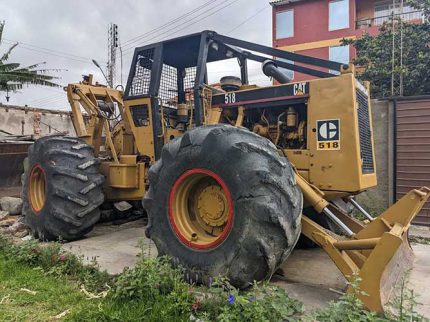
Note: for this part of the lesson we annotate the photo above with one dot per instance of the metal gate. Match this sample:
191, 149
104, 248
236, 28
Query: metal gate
412, 157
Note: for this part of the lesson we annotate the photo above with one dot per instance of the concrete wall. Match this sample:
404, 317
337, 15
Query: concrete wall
379, 198
31, 121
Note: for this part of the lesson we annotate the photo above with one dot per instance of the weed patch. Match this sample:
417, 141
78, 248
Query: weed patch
262, 302
53, 261
419, 240
28, 294
156, 291
40, 282
349, 308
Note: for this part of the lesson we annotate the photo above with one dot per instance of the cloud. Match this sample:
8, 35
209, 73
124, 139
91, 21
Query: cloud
74, 32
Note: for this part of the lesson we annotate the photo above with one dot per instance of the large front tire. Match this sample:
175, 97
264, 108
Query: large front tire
62, 188
222, 202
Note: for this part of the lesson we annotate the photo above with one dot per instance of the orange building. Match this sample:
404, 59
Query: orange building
316, 27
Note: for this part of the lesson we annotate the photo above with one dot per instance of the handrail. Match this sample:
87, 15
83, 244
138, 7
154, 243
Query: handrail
377, 21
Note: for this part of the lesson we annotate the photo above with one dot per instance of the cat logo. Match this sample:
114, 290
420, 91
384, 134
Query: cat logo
328, 135
299, 89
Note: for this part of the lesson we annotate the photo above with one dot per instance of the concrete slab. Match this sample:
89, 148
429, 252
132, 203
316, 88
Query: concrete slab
312, 297
309, 275
114, 247
313, 267
419, 278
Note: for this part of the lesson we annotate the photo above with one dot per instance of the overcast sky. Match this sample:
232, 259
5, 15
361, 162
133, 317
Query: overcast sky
68, 34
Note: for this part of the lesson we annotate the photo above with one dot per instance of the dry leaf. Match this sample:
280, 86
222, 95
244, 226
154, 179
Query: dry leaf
61, 315
4, 299
28, 291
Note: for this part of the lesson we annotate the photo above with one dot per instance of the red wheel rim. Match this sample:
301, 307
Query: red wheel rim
218, 216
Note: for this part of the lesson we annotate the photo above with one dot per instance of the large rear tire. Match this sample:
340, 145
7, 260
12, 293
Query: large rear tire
223, 202
62, 188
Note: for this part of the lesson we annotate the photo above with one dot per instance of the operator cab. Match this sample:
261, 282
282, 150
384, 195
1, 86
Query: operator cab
173, 75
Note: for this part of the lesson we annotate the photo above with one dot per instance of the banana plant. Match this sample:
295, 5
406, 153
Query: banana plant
13, 76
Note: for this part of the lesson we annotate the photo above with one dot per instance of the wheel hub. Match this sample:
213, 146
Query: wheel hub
212, 206
200, 209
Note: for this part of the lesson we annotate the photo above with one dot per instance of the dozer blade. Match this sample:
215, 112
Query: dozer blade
379, 254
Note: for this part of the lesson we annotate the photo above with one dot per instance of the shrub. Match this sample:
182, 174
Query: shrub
405, 305
155, 281
262, 302
152, 291
156, 291
349, 308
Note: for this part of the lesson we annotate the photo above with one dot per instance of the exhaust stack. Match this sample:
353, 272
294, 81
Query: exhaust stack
270, 69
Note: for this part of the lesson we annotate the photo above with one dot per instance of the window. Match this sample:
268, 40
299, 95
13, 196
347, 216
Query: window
338, 15
285, 24
339, 54
289, 73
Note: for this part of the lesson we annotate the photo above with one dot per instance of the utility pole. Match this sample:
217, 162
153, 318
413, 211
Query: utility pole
112, 46
397, 62
401, 49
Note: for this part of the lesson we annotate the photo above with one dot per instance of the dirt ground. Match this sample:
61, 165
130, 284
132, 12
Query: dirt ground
312, 276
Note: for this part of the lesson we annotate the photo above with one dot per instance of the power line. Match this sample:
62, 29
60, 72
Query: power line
187, 24
137, 38
249, 18
232, 70
50, 53
53, 101
43, 98
55, 105
51, 89
209, 15
163, 31
47, 99
57, 94
46, 49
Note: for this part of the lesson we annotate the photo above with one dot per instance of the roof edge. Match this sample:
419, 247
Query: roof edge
276, 3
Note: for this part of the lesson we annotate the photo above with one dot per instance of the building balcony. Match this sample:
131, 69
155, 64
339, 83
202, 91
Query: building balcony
411, 17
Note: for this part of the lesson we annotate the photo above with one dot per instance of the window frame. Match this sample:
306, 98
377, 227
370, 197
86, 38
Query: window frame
287, 71
276, 23
329, 16
336, 72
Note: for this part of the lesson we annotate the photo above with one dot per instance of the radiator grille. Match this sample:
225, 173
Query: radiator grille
365, 133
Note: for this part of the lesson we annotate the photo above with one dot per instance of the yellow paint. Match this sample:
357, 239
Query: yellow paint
125, 176
315, 44
37, 189
143, 133
330, 98
369, 253
121, 189
200, 207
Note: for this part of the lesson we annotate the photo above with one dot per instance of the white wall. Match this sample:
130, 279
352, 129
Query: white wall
22, 121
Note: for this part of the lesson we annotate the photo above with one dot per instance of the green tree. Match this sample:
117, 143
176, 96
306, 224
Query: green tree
374, 56
13, 76
423, 5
